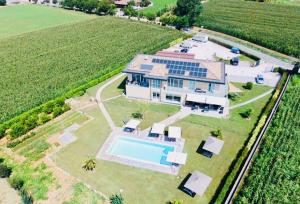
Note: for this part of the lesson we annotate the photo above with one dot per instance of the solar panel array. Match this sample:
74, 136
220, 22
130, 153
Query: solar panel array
180, 67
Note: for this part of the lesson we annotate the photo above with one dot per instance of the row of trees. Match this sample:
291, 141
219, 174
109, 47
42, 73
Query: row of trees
102, 7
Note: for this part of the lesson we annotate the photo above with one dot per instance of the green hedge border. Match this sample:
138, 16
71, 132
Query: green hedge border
228, 180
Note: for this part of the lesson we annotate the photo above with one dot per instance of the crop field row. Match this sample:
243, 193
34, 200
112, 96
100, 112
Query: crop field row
275, 174
42, 65
273, 26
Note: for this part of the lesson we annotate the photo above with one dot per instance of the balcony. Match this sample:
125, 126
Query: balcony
136, 83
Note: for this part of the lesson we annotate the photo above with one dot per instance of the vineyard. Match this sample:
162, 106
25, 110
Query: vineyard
42, 65
275, 174
274, 26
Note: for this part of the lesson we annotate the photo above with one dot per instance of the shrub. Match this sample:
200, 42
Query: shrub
16, 182
116, 199
233, 96
1, 160
2, 132
48, 107
246, 113
17, 130
43, 118
57, 111
13, 144
2, 2
137, 115
150, 16
248, 85
89, 165
5, 171
216, 133
32, 121
26, 197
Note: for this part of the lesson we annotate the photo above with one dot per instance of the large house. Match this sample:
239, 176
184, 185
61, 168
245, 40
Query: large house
175, 79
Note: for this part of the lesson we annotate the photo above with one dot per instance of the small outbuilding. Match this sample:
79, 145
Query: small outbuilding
158, 129
131, 125
174, 133
177, 158
200, 37
213, 145
197, 184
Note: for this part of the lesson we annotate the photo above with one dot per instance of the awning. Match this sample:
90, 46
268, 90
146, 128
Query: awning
177, 157
174, 132
133, 124
213, 100
198, 182
158, 128
213, 145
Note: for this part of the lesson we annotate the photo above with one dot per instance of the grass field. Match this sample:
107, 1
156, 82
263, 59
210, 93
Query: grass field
20, 19
42, 65
274, 175
246, 94
159, 5
259, 26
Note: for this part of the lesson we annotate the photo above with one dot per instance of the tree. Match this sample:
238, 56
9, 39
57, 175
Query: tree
116, 199
247, 113
248, 85
137, 115
129, 11
181, 22
168, 19
2, 2
150, 16
5, 171
68, 4
217, 133
106, 7
189, 8
89, 165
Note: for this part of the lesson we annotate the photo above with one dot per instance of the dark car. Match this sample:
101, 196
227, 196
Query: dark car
235, 50
184, 50
235, 61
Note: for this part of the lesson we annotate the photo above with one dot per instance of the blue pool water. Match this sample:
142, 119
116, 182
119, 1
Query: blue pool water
142, 150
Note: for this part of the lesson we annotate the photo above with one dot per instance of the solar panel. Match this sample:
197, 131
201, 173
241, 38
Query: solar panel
148, 67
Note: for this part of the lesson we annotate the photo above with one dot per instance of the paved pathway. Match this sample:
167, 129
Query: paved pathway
100, 102
251, 100
261, 55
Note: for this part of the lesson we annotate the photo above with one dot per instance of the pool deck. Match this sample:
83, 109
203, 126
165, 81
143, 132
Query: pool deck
102, 154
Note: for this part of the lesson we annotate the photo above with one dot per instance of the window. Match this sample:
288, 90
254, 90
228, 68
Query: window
155, 95
175, 98
178, 83
192, 85
156, 83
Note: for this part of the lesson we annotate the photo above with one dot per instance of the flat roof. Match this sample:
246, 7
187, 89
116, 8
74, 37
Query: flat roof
174, 132
198, 182
154, 66
177, 157
133, 124
158, 128
213, 144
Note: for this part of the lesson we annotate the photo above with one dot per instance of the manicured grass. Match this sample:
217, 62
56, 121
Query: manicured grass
46, 64
115, 89
26, 18
148, 187
121, 109
246, 94
246, 58
159, 5
81, 194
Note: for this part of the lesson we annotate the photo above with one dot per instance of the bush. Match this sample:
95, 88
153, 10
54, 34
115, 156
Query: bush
2, 2
116, 199
5, 171
57, 111
17, 130
216, 133
13, 144
150, 16
137, 115
2, 132
48, 107
31, 122
248, 85
16, 182
26, 197
246, 113
43, 118
233, 96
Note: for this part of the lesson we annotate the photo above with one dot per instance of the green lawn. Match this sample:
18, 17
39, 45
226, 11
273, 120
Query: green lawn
26, 18
246, 94
247, 59
115, 89
148, 187
159, 5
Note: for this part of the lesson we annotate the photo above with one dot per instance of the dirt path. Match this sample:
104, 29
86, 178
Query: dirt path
7, 194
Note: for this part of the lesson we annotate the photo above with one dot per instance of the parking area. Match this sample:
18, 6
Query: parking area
244, 71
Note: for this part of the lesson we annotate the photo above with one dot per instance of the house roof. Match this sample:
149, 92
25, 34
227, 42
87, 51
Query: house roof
177, 157
175, 54
198, 182
174, 132
158, 128
151, 66
133, 124
214, 145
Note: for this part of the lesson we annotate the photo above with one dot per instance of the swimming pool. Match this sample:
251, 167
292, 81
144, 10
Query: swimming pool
142, 150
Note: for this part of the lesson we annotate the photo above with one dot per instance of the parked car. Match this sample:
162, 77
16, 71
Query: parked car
184, 50
260, 79
235, 61
235, 50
